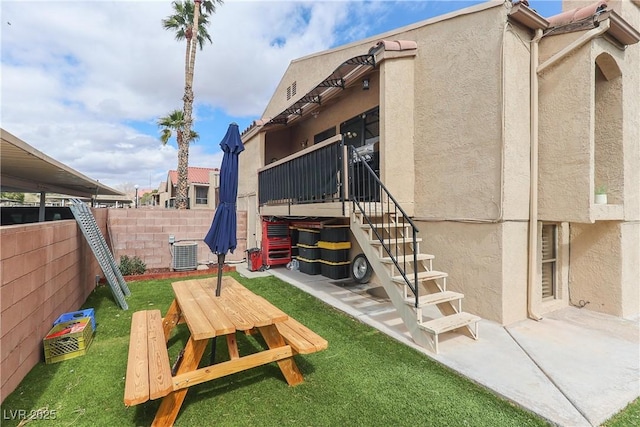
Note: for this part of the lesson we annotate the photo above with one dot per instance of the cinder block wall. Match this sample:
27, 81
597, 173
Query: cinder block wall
145, 232
46, 269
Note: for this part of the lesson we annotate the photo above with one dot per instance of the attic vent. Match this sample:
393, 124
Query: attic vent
185, 256
291, 90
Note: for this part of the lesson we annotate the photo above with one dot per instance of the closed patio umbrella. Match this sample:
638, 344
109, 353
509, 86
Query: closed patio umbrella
221, 237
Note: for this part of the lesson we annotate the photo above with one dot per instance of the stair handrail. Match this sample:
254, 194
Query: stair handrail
354, 157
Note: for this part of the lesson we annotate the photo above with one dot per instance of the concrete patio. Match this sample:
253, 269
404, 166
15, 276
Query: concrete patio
575, 367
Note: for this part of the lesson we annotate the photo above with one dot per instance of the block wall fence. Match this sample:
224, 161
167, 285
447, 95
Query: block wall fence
47, 269
145, 233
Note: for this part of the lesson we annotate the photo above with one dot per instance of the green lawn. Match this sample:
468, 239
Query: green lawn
364, 378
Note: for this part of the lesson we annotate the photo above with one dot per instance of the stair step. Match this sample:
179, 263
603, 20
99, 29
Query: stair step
448, 323
385, 225
408, 258
393, 240
422, 276
436, 298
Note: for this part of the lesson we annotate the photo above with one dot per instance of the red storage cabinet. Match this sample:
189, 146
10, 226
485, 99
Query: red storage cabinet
276, 243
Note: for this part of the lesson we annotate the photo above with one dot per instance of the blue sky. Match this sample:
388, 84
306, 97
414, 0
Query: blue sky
85, 82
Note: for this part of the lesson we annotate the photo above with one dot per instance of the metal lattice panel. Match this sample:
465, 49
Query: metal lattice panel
99, 247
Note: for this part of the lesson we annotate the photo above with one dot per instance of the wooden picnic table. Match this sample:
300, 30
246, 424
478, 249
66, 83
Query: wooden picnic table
208, 316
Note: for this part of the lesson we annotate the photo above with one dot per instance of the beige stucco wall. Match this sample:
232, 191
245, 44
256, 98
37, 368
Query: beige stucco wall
458, 120
486, 262
630, 280
588, 136
514, 272
631, 126
565, 183
397, 106
517, 125
251, 159
596, 266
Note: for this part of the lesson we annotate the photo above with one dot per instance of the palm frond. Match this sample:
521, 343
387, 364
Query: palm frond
209, 6
194, 136
172, 122
182, 18
165, 135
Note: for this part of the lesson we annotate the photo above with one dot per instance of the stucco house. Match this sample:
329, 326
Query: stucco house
464, 152
202, 192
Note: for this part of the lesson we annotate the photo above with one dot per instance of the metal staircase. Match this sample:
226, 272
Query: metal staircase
98, 245
388, 238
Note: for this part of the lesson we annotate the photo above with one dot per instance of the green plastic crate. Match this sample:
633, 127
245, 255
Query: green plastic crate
67, 340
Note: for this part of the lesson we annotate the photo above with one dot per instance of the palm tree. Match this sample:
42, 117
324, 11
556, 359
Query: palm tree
186, 17
174, 123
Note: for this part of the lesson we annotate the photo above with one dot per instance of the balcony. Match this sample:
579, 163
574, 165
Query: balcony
310, 182
314, 182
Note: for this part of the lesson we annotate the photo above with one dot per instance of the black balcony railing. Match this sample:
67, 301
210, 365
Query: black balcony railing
316, 176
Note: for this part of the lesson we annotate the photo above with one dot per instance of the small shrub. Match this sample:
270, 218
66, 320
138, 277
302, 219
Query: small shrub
131, 266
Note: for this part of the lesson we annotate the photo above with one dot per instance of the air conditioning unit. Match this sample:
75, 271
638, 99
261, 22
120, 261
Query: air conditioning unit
185, 256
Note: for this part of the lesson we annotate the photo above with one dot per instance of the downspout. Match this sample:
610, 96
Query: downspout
533, 191
533, 180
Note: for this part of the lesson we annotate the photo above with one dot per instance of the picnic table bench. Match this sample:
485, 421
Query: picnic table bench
207, 316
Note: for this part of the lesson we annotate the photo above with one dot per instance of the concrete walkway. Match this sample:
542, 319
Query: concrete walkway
573, 368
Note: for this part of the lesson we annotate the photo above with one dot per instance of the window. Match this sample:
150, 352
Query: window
363, 129
202, 194
549, 251
326, 134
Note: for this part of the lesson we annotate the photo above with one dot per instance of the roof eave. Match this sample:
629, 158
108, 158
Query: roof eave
622, 31
527, 17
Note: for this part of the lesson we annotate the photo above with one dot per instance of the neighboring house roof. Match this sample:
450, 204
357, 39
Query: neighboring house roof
195, 175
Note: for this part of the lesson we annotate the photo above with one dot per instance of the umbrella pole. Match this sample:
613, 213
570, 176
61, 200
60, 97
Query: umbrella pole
218, 289
220, 266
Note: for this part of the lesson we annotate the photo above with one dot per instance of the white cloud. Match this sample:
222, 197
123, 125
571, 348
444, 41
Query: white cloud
77, 76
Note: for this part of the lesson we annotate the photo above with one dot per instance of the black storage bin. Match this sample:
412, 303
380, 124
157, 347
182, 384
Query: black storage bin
308, 237
309, 252
308, 266
335, 270
335, 233
293, 234
337, 255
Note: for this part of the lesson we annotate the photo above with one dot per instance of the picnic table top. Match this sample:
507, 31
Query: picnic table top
236, 309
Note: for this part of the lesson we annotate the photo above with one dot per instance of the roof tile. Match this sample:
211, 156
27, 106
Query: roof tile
577, 14
195, 175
